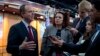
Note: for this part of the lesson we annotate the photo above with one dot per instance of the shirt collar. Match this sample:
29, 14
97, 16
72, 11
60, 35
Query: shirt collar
25, 23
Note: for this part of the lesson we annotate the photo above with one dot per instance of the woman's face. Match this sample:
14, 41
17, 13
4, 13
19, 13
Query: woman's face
59, 19
88, 26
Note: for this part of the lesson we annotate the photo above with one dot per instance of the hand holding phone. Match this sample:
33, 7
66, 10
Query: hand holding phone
57, 40
51, 37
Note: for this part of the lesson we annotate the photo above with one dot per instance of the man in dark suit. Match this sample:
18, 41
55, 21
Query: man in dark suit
22, 38
79, 31
91, 47
79, 23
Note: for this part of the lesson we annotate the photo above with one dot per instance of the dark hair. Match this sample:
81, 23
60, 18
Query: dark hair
96, 4
22, 9
65, 19
86, 35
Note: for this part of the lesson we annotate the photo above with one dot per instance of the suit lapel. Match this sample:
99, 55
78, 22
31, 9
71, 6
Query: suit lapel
35, 34
24, 29
76, 21
91, 45
95, 37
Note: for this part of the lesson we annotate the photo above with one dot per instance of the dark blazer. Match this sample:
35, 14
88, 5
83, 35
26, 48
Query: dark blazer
90, 49
81, 28
17, 34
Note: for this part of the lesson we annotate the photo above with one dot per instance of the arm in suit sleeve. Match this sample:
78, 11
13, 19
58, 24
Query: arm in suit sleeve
12, 45
82, 28
73, 48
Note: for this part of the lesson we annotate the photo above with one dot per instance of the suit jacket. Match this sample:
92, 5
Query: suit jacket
17, 34
52, 30
91, 49
81, 28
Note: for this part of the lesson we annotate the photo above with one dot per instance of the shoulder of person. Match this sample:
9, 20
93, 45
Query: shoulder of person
67, 29
15, 25
49, 27
75, 19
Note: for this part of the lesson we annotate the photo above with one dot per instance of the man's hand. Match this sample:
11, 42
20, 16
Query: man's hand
30, 45
74, 31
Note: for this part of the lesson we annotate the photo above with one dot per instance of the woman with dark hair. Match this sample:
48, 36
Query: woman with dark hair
58, 29
78, 26
90, 27
65, 19
91, 46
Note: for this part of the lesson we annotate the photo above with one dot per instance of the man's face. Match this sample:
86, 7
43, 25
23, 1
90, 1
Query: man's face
29, 13
82, 13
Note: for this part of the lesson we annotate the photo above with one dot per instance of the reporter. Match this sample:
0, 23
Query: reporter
60, 30
91, 46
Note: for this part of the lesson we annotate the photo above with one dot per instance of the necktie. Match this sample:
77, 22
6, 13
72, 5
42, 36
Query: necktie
30, 32
58, 53
78, 24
